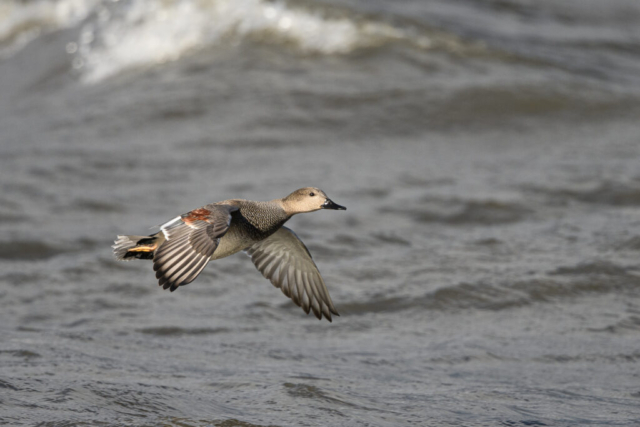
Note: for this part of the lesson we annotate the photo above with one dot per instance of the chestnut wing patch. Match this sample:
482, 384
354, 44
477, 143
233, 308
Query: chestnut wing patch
191, 239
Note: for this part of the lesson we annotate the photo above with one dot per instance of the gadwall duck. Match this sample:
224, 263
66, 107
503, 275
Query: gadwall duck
185, 244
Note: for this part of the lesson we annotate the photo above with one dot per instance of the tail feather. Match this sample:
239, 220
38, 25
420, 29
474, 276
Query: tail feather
127, 248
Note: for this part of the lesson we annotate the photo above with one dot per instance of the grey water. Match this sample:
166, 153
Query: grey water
486, 270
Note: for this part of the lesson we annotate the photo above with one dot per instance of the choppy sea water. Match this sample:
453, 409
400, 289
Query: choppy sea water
486, 270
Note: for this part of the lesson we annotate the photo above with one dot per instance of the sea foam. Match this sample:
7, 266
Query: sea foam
144, 33
117, 35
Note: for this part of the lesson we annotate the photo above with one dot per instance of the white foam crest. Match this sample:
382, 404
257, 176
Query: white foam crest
141, 33
21, 22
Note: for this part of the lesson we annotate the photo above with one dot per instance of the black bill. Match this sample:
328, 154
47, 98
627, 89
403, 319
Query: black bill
328, 204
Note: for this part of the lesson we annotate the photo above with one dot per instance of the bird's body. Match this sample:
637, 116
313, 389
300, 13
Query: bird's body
185, 244
251, 223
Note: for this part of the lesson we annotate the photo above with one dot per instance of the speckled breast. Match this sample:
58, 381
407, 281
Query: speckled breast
253, 222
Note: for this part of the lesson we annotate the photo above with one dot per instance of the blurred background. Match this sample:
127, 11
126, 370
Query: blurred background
486, 270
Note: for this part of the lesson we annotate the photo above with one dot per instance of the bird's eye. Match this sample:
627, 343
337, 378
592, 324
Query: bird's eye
312, 194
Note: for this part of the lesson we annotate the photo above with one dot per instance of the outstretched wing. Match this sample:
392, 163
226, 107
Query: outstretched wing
286, 261
191, 239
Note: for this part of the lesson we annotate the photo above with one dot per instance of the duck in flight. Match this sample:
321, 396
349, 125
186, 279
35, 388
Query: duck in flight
185, 244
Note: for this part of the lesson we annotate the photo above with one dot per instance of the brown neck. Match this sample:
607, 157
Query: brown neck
287, 206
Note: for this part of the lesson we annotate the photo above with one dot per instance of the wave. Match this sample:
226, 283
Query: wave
585, 279
143, 33
23, 21
464, 212
29, 250
114, 36
611, 193
177, 331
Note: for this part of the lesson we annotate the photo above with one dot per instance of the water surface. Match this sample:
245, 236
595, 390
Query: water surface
486, 270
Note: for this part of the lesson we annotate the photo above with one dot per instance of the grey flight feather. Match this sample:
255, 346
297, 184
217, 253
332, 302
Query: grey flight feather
191, 239
286, 262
